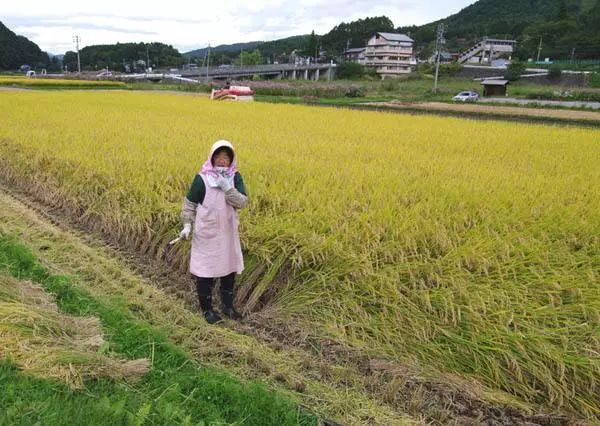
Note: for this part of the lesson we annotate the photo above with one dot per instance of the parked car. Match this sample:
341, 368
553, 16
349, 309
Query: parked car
468, 96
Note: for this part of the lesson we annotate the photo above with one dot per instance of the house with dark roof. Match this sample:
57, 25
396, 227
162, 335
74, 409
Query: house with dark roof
390, 54
356, 54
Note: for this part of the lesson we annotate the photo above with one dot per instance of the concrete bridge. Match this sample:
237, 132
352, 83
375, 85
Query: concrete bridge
286, 71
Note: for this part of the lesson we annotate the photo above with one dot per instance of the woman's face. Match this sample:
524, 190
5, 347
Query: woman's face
221, 159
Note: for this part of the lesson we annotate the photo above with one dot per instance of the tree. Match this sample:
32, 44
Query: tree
250, 58
514, 71
349, 70
312, 46
355, 33
70, 61
562, 13
593, 19
554, 72
54, 65
16, 50
116, 56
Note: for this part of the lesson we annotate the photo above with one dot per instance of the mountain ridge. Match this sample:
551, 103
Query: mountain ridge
563, 24
17, 50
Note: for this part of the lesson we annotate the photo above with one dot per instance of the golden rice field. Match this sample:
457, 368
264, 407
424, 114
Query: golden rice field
20, 81
469, 247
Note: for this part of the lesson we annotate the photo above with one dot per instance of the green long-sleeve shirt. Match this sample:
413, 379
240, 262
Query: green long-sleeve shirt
198, 190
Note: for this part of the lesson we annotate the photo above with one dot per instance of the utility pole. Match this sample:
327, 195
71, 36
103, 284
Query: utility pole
573, 55
439, 41
147, 58
77, 40
539, 50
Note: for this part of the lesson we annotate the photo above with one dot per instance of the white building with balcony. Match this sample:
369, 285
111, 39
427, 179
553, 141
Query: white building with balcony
390, 54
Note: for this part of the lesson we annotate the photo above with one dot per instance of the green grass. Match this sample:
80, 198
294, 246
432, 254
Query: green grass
175, 391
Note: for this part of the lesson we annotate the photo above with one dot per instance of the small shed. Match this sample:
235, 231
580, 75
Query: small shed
494, 87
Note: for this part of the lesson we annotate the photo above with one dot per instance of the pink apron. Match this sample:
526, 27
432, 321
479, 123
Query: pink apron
216, 248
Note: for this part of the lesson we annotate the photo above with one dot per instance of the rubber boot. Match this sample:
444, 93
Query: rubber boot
228, 309
204, 288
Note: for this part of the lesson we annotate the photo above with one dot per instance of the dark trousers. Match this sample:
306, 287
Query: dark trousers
205, 286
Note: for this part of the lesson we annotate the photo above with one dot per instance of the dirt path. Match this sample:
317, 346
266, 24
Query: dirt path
542, 102
326, 377
492, 110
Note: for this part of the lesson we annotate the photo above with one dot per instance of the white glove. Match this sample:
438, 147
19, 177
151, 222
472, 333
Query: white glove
185, 232
223, 183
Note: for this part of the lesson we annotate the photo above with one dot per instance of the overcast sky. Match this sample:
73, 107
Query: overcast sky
189, 25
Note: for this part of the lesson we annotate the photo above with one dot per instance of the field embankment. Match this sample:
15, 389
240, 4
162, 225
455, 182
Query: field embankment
591, 118
146, 312
70, 357
466, 248
56, 83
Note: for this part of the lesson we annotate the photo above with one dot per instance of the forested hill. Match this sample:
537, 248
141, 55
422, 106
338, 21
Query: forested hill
272, 48
561, 24
355, 34
351, 34
16, 50
121, 55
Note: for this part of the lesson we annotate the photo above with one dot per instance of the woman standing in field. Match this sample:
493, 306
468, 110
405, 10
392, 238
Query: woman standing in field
211, 204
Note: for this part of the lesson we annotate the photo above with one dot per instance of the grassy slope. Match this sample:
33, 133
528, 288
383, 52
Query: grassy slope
333, 391
176, 390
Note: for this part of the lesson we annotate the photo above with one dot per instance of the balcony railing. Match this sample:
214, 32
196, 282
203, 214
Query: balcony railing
388, 51
393, 71
401, 62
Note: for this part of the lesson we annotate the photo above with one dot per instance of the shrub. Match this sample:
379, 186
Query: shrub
350, 70
554, 72
310, 99
355, 92
514, 71
390, 84
594, 80
451, 69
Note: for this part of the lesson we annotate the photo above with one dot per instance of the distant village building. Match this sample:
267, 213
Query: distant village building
356, 54
487, 51
445, 58
390, 54
494, 87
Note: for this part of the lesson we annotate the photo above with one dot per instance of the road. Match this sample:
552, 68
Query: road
569, 104
586, 117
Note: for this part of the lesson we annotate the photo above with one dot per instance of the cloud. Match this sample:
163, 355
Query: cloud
190, 24
79, 27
